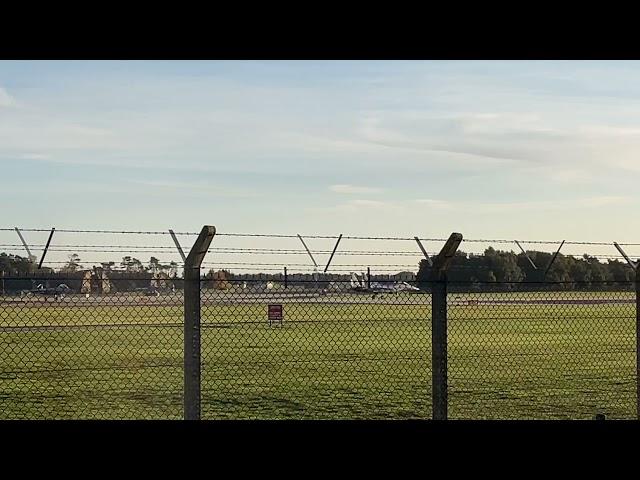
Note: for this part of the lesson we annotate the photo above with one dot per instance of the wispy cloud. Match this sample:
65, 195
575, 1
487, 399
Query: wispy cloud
191, 187
369, 203
605, 200
35, 156
429, 202
353, 189
504, 207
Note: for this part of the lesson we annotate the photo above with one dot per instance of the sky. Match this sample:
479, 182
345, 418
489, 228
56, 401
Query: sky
510, 149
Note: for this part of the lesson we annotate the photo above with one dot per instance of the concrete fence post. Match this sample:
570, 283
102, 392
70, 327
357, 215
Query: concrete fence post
439, 337
192, 365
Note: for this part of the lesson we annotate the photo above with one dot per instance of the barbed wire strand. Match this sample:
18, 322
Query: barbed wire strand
271, 235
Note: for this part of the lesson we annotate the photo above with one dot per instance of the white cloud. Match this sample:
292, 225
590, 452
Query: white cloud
429, 202
369, 203
529, 135
570, 176
353, 189
611, 131
6, 100
35, 156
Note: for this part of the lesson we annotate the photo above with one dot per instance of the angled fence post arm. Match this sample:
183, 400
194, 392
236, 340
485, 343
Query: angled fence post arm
180, 251
439, 366
32, 258
553, 259
308, 251
332, 254
526, 255
634, 265
315, 265
46, 247
192, 365
424, 252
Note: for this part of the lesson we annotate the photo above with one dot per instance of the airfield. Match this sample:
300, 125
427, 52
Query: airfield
336, 355
216, 297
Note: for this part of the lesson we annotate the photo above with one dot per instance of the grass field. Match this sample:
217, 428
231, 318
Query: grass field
337, 357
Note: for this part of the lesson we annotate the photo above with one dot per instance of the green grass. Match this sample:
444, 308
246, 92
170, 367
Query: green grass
327, 361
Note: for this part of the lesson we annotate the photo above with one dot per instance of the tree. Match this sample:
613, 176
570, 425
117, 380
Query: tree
131, 264
173, 269
504, 268
598, 271
108, 266
73, 265
15, 264
154, 265
219, 279
503, 265
620, 271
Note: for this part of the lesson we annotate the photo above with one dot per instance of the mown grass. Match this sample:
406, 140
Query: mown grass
327, 361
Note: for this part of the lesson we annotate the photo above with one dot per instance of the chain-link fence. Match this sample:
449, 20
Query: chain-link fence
95, 355
514, 350
542, 351
315, 353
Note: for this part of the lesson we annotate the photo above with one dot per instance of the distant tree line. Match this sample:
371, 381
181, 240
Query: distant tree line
130, 274
499, 268
491, 270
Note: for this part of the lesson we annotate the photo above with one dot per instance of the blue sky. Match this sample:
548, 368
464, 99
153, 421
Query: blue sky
490, 149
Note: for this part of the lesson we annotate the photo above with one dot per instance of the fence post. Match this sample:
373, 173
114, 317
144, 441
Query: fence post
192, 323
636, 267
439, 340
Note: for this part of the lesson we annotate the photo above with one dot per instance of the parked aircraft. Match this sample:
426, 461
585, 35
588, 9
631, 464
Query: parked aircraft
359, 284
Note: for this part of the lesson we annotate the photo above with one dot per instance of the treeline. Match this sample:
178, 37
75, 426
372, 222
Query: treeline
17, 265
491, 270
500, 268
18, 273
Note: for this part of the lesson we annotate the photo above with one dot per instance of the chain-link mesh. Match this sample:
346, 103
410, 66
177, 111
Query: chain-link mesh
335, 354
515, 350
541, 350
90, 356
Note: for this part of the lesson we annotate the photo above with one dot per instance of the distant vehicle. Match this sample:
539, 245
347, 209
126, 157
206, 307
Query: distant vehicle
57, 293
358, 284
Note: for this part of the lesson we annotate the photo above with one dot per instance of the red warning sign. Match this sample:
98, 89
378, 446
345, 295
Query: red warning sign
275, 312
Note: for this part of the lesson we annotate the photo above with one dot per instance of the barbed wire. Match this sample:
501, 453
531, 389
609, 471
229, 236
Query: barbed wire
52, 250
224, 250
272, 235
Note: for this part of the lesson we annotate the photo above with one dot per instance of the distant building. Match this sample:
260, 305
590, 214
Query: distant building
160, 281
95, 282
